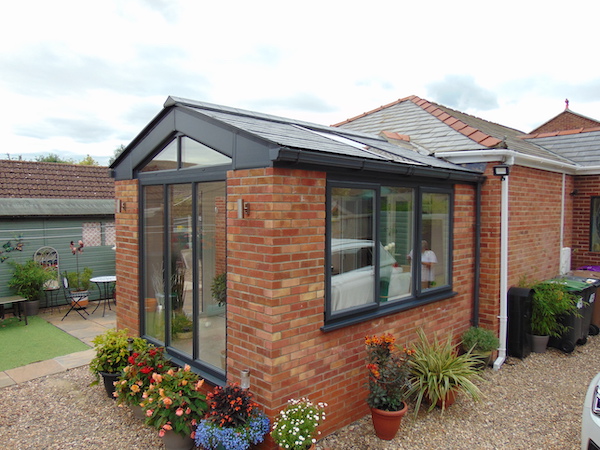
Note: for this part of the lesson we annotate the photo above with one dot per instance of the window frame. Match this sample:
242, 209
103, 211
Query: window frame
194, 175
418, 297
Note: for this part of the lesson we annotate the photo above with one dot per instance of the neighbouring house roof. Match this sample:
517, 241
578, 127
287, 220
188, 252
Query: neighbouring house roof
30, 188
28, 179
580, 146
273, 140
566, 120
438, 129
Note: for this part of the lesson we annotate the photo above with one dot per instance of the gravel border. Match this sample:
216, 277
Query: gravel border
531, 403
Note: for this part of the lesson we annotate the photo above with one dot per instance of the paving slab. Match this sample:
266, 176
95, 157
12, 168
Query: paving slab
5, 380
35, 370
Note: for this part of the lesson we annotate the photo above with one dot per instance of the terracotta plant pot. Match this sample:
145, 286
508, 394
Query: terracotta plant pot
450, 399
387, 423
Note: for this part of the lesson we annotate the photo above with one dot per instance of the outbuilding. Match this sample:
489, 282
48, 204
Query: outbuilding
316, 232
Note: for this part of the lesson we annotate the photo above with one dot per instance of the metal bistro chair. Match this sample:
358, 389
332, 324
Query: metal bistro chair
73, 300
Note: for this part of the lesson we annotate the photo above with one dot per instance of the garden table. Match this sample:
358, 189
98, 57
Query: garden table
104, 286
18, 310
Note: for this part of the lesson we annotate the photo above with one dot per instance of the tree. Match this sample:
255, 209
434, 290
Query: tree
54, 158
88, 161
118, 151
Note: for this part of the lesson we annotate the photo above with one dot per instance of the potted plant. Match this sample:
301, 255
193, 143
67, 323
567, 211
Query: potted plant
296, 425
28, 281
550, 302
173, 404
388, 383
481, 342
218, 288
438, 373
181, 326
79, 284
234, 420
113, 349
137, 377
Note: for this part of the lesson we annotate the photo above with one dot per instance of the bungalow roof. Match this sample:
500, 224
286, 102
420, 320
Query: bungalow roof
438, 128
29, 179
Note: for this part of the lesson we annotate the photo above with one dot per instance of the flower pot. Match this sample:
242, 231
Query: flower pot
387, 423
138, 412
175, 441
539, 343
448, 400
82, 297
32, 307
109, 382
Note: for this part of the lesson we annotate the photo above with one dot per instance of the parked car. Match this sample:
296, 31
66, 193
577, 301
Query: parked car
353, 274
590, 421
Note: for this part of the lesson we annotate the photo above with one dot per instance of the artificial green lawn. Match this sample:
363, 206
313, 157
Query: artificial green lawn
22, 344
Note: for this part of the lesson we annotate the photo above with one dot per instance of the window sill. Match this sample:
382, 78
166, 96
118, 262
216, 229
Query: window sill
387, 309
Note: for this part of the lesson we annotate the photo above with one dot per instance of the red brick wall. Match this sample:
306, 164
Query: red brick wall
534, 232
127, 258
566, 121
587, 187
276, 296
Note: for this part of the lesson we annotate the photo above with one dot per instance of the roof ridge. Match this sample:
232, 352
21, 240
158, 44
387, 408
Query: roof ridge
559, 133
396, 102
441, 114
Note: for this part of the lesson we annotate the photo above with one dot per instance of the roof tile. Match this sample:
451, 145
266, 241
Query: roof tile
27, 179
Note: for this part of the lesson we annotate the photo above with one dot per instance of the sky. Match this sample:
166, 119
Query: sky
80, 77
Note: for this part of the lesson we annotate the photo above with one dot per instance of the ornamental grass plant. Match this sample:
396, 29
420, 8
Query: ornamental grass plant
174, 401
234, 420
389, 372
436, 369
296, 425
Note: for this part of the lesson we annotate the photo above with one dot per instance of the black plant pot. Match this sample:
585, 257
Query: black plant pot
109, 382
32, 307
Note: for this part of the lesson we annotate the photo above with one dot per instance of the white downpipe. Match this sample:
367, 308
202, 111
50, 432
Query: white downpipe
503, 317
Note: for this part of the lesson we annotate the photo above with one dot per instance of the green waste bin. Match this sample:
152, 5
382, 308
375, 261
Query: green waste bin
577, 331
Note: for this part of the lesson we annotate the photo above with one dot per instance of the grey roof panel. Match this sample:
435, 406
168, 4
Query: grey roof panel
309, 136
581, 148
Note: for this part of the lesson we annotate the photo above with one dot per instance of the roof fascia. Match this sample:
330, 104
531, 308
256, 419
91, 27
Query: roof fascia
512, 157
297, 156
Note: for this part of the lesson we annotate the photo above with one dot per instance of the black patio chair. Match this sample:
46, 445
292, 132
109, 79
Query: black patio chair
73, 300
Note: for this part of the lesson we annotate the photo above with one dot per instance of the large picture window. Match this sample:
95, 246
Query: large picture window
388, 248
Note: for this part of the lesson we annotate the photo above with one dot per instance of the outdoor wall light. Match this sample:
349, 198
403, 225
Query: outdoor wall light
243, 208
502, 170
245, 384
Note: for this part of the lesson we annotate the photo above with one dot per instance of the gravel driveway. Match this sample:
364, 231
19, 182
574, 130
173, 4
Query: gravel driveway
530, 403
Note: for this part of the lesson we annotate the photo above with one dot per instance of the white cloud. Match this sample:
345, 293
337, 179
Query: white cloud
86, 77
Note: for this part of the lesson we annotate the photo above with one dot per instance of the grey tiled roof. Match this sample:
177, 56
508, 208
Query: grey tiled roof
313, 137
581, 148
441, 129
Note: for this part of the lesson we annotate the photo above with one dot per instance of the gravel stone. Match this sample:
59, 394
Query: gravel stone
531, 403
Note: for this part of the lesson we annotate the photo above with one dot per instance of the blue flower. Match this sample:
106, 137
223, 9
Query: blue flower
209, 435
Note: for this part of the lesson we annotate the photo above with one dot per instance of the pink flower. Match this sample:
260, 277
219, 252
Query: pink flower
167, 401
161, 432
179, 412
149, 412
167, 426
188, 411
